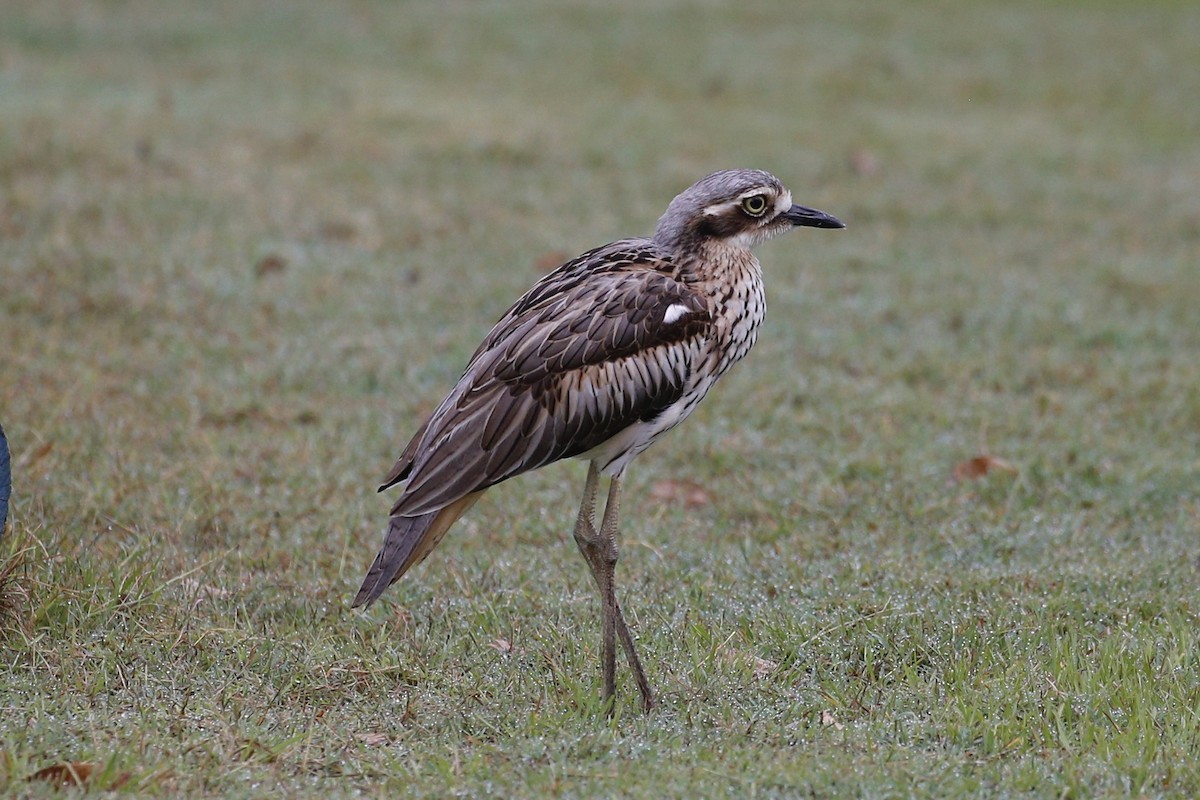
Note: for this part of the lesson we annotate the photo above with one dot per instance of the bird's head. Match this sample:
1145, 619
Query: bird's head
737, 208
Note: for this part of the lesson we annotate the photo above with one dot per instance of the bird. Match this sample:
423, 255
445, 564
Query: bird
596, 361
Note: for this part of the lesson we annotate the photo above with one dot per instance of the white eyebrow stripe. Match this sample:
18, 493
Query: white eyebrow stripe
717, 209
673, 313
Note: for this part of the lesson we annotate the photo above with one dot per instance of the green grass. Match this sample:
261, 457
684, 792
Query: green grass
196, 435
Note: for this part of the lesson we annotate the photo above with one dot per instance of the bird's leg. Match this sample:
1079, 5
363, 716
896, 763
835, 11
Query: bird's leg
607, 563
635, 663
609, 552
591, 547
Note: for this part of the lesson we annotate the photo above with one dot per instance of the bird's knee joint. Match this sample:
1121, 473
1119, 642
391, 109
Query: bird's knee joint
585, 537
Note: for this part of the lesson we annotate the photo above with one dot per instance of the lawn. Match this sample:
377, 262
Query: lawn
938, 536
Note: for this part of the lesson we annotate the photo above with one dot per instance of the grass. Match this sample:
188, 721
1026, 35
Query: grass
244, 247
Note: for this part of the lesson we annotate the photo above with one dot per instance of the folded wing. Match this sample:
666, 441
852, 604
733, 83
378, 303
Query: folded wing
605, 341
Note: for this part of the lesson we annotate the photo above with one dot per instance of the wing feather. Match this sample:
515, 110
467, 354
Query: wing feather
583, 355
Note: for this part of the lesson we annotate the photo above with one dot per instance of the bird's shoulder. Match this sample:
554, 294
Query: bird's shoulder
607, 303
622, 257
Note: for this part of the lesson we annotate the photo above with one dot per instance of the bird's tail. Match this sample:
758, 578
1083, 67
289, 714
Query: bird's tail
409, 540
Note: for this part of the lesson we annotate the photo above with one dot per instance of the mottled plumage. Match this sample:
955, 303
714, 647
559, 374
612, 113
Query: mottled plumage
596, 361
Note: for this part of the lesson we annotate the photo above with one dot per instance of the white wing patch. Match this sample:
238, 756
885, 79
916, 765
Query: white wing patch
673, 313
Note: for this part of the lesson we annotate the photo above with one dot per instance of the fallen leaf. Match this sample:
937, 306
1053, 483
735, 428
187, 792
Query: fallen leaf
269, 264
829, 720
978, 467
504, 646
72, 773
40, 452
691, 494
761, 667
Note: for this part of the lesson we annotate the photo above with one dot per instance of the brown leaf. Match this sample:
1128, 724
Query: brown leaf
689, 493
505, 646
978, 467
72, 773
40, 452
761, 667
270, 264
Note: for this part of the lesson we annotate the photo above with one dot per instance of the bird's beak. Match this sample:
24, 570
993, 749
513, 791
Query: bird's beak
811, 218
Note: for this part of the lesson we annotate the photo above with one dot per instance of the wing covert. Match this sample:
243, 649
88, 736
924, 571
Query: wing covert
583, 355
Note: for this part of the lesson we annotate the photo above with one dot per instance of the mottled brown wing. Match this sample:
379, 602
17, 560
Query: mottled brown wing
605, 341
618, 256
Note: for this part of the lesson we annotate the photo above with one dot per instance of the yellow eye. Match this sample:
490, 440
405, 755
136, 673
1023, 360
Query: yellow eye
755, 205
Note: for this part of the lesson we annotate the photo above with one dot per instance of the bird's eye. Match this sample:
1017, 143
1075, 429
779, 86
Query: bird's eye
755, 205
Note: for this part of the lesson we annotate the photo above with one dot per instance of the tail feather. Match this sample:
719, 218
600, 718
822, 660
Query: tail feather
403, 536
408, 541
